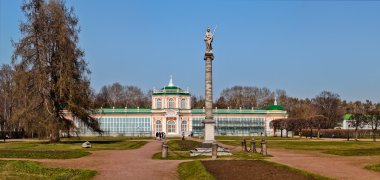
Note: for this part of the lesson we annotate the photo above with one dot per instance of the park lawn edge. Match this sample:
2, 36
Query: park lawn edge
306, 173
373, 167
39, 154
24, 169
23, 151
193, 170
158, 156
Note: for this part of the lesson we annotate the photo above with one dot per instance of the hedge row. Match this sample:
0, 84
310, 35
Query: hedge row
339, 133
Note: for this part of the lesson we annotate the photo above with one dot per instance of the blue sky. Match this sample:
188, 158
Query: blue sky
303, 47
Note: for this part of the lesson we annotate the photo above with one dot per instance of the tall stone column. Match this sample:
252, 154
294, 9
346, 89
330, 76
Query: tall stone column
209, 120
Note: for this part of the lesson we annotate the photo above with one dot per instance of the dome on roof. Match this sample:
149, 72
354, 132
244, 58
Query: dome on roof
171, 89
275, 107
347, 116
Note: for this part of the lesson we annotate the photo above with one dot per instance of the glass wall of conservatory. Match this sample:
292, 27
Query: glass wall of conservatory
233, 126
121, 126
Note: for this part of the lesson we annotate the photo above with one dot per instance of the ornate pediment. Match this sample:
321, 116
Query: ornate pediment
171, 113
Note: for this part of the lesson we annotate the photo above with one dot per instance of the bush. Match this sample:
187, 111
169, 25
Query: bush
339, 133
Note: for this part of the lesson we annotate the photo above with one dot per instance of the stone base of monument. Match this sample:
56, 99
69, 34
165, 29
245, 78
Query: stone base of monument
208, 152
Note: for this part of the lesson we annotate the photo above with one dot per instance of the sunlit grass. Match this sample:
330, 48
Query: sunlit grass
342, 148
374, 167
33, 170
193, 170
62, 150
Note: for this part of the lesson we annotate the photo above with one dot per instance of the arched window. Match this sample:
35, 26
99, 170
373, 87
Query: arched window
183, 103
184, 126
158, 104
171, 126
158, 126
171, 103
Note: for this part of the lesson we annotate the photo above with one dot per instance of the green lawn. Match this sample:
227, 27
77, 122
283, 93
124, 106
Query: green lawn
32, 170
63, 150
97, 138
342, 148
257, 138
179, 145
193, 170
374, 167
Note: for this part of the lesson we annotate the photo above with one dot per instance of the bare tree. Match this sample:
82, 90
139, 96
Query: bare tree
276, 124
319, 122
6, 97
373, 119
328, 105
357, 120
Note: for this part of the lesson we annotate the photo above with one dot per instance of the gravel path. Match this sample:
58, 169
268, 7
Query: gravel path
122, 164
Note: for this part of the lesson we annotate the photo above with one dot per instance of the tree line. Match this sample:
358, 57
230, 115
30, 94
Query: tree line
47, 82
360, 115
324, 111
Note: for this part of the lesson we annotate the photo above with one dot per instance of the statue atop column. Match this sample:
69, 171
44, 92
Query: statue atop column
209, 37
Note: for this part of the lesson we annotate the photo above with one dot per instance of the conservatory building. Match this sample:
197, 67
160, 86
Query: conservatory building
171, 113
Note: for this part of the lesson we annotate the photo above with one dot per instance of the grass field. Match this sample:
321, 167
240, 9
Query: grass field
32, 170
63, 150
257, 138
374, 167
193, 170
342, 148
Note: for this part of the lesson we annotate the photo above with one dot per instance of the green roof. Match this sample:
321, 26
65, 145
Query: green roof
172, 90
275, 107
193, 111
232, 111
347, 116
123, 111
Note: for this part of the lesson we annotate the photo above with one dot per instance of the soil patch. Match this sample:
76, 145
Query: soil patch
248, 169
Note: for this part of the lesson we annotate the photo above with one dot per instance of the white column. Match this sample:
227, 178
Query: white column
164, 124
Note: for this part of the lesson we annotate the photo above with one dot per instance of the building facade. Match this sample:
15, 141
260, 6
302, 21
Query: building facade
171, 113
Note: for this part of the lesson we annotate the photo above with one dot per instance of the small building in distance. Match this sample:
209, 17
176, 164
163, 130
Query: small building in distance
172, 114
347, 123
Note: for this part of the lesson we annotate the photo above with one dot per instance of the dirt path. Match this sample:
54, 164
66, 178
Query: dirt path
337, 167
123, 164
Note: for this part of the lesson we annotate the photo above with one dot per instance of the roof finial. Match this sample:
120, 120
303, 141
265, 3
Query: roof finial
171, 81
275, 100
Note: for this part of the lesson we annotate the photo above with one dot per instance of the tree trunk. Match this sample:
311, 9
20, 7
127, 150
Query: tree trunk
54, 137
54, 134
281, 132
318, 134
286, 133
373, 135
311, 133
356, 133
